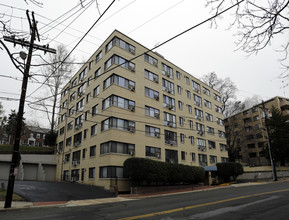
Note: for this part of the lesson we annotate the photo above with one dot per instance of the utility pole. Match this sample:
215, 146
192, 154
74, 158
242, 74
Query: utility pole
16, 154
269, 144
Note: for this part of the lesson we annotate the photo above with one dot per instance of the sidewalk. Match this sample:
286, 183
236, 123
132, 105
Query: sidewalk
120, 198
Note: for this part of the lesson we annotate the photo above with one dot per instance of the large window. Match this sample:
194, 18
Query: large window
209, 117
168, 102
153, 152
117, 147
206, 91
199, 114
207, 103
169, 120
197, 100
200, 129
110, 172
210, 130
120, 43
152, 131
196, 86
151, 60
203, 160
201, 143
115, 59
118, 101
151, 76
171, 138
118, 123
152, 112
151, 93
118, 80
167, 70
168, 86
171, 156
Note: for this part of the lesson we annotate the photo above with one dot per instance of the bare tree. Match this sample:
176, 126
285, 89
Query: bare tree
258, 22
227, 90
56, 74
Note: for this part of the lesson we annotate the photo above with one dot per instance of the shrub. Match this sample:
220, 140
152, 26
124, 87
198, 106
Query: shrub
143, 171
228, 170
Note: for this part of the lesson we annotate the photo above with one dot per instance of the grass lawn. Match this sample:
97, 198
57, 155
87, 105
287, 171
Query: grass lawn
14, 198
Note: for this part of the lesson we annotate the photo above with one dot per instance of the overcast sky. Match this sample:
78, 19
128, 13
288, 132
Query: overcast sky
149, 22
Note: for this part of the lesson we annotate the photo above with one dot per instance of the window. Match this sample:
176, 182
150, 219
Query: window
250, 146
151, 76
168, 71
110, 172
169, 102
77, 139
63, 117
66, 158
209, 117
98, 57
218, 109
210, 130
152, 131
190, 109
85, 133
74, 82
219, 121
151, 60
152, 112
83, 153
197, 100
81, 90
153, 152
187, 80
206, 91
221, 134
224, 159
120, 43
178, 74
76, 156
223, 147
118, 123
151, 93
82, 75
64, 104
118, 101
207, 103
203, 160
79, 106
168, 86
61, 131
180, 104
213, 159
252, 155
192, 140
182, 138
200, 129
193, 156
259, 135
69, 125
91, 173
60, 146
86, 115
72, 96
97, 73
94, 110
179, 90
93, 130
183, 155
71, 110
78, 122
117, 147
68, 141
201, 143
169, 120
188, 94
75, 175
171, 156
92, 151
181, 120
89, 81
199, 114
196, 86
254, 109
87, 97
191, 124
118, 80
171, 138
217, 97
256, 118
247, 120
115, 59
96, 91
212, 145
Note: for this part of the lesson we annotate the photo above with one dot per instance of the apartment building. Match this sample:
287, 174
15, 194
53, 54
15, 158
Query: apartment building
127, 101
246, 131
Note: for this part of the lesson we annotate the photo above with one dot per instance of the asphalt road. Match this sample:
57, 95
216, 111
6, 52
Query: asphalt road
37, 191
264, 201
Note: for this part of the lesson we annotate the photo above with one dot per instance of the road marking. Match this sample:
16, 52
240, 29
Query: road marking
199, 205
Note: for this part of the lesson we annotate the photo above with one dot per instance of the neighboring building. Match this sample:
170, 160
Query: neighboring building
145, 107
246, 132
33, 136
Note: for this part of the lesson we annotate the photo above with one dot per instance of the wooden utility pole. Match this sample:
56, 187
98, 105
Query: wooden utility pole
16, 154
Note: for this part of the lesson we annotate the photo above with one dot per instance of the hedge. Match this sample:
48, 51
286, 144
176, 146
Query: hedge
230, 169
143, 171
8, 149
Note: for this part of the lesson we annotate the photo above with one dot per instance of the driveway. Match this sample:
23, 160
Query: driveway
38, 191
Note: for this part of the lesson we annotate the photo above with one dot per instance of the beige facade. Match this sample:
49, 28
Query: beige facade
135, 104
246, 131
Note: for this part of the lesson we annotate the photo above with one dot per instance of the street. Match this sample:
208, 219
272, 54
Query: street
262, 201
